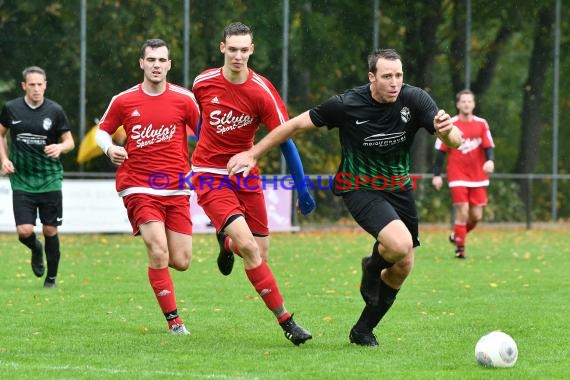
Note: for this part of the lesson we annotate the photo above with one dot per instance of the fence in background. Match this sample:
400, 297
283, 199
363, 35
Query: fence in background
513, 198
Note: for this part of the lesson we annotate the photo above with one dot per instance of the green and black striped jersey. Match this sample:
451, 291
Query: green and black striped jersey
375, 138
31, 129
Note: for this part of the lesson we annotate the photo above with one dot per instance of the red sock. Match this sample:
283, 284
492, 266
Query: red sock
163, 288
229, 245
264, 283
471, 226
459, 232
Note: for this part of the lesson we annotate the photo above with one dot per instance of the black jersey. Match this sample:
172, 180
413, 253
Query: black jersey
31, 129
375, 138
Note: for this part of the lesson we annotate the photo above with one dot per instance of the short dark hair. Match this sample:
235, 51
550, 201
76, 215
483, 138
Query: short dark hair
464, 92
153, 43
237, 29
389, 54
33, 69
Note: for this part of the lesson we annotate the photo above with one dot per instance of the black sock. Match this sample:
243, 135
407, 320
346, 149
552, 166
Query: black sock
30, 241
378, 262
52, 255
371, 315
171, 315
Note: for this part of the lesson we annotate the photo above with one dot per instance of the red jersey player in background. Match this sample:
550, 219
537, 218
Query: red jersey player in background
155, 115
234, 100
467, 169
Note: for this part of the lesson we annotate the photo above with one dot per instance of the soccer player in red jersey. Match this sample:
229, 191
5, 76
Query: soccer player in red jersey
468, 169
152, 167
234, 100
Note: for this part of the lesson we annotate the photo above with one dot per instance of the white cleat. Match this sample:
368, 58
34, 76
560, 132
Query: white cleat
179, 329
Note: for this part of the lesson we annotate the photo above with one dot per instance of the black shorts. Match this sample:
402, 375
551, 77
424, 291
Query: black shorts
373, 210
27, 206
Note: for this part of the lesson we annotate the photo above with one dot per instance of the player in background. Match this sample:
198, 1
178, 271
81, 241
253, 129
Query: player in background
234, 101
39, 135
468, 169
377, 123
155, 115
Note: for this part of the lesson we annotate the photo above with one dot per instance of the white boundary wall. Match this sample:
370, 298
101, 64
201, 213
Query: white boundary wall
93, 206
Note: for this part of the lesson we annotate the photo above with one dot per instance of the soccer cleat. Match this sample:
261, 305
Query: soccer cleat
362, 338
179, 329
50, 283
37, 260
452, 238
370, 283
225, 257
295, 333
460, 253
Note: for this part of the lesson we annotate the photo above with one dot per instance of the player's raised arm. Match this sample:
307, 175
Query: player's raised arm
247, 160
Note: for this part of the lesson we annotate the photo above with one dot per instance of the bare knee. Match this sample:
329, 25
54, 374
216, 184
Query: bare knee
179, 266
48, 230
397, 251
180, 263
24, 230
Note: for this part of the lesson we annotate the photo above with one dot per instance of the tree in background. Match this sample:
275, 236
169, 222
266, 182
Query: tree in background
511, 45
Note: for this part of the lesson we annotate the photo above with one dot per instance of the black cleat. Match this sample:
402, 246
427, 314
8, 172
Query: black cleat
363, 338
460, 252
38, 259
295, 333
50, 283
225, 257
452, 238
370, 283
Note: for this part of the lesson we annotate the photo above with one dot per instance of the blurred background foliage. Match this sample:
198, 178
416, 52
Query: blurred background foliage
511, 54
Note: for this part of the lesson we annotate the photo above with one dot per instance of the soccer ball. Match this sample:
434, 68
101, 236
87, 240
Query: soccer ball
496, 349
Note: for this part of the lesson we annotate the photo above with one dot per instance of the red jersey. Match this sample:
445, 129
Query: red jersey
157, 138
231, 114
465, 164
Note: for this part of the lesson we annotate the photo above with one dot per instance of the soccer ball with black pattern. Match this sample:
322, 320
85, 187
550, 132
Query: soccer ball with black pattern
496, 349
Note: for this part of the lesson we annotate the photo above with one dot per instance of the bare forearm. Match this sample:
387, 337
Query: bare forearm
67, 144
280, 134
451, 139
245, 161
3, 150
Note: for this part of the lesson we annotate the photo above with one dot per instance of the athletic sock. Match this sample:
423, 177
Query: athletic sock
29, 241
460, 232
372, 315
163, 287
52, 255
265, 285
377, 262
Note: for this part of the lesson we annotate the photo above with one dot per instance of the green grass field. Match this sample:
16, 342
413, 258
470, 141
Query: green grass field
104, 322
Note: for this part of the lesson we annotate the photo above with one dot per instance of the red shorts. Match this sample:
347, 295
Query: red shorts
222, 197
476, 196
173, 211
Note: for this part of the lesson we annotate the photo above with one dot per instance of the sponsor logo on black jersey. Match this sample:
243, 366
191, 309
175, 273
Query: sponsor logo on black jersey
385, 139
